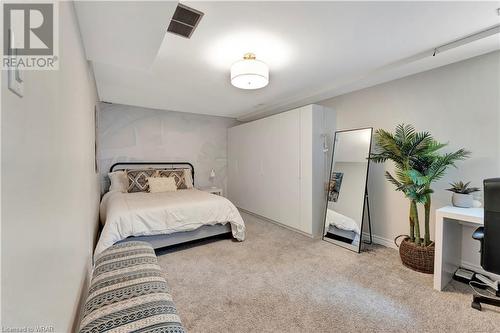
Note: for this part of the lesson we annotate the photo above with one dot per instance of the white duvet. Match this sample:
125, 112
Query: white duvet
340, 221
143, 214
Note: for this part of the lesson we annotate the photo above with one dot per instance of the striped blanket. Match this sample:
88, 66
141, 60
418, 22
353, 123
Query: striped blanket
128, 293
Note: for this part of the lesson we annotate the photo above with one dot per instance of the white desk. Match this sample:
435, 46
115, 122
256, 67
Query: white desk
447, 257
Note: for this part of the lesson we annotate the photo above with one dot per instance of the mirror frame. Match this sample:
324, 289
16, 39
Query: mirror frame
365, 198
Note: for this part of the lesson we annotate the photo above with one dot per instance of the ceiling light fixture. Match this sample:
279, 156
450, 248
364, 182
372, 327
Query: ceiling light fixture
249, 73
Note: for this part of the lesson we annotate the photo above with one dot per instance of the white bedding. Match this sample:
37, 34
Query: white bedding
340, 221
143, 214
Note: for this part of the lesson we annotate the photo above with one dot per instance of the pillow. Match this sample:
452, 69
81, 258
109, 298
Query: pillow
178, 175
138, 179
161, 184
188, 178
119, 181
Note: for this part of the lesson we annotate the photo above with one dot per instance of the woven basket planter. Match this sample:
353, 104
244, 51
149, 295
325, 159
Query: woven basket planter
418, 258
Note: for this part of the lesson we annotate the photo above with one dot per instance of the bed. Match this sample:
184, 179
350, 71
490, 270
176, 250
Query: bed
165, 218
341, 226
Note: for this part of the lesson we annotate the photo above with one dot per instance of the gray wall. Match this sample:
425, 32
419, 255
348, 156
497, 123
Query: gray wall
50, 191
129, 133
458, 103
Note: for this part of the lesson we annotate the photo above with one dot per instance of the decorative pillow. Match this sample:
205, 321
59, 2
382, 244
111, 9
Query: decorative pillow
178, 175
188, 178
119, 181
138, 179
161, 184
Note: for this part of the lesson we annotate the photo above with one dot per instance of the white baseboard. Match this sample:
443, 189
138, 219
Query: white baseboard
380, 240
275, 222
467, 265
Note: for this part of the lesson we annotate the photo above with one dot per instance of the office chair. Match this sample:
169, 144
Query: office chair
489, 236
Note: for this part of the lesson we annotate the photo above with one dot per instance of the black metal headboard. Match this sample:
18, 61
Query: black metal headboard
167, 165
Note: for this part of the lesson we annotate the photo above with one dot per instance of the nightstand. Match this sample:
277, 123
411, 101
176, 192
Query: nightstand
213, 190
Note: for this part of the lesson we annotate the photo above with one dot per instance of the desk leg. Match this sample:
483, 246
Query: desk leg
448, 251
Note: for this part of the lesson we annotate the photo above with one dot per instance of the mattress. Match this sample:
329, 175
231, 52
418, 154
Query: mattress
347, 234
128, 293
340, 221
145, 214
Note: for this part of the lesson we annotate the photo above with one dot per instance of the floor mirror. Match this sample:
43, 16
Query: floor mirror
347, 198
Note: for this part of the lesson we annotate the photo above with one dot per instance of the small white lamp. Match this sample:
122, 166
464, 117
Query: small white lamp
212, 178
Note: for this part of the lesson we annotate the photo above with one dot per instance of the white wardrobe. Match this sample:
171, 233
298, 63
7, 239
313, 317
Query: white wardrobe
278, 167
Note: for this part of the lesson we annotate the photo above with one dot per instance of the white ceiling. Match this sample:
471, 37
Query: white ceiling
315, 50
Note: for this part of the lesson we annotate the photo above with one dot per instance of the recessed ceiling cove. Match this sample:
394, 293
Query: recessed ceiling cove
124, 33
314, 50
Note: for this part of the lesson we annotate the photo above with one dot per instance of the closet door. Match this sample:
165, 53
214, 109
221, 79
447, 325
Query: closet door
273, 191
234, 158
264, 165
244, 186
277, 166
287, 160
269, 195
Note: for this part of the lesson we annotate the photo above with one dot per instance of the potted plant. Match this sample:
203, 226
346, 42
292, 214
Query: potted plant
462, 194
418, 164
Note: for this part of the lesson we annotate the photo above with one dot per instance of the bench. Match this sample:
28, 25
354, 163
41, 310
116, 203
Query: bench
128, 292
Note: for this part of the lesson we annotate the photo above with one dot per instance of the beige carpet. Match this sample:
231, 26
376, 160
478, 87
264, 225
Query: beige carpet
280, 281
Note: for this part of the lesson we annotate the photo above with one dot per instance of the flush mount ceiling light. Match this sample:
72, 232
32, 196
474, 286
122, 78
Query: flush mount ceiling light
249, 73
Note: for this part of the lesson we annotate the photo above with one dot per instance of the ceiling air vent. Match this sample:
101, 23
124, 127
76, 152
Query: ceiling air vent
184, 21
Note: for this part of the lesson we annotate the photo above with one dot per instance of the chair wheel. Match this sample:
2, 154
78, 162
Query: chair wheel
476, 305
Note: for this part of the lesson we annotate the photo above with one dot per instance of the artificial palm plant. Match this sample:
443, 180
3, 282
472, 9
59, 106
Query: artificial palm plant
428, 169
418, 164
